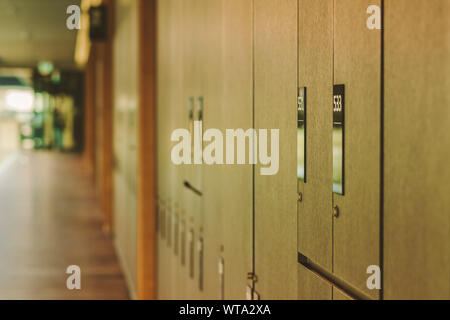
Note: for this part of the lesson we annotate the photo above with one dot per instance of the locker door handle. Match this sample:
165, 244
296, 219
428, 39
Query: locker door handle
191, 253
190, 187
191, 123
198, 157
183, 243
339, 139
301, 134
200, 109
200, 263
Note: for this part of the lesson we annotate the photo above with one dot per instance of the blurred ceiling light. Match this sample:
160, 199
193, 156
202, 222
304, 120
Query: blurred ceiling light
45, 68
20, 100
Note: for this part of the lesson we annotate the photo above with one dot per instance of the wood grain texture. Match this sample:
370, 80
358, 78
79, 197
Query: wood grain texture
316, 74
213, 186
235, 182
275, 61
162, 136
357, 64
417, 149
192, 73
311, 286
177, 120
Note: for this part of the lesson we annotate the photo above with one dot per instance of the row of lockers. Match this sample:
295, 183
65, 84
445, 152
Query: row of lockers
225, 231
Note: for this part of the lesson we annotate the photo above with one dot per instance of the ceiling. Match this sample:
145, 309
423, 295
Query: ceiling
35, 30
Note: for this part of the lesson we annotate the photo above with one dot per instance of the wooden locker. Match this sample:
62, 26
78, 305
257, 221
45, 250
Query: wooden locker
125, 151
311, 286
173, 34
192, 72
236, 192
212, 72
163, 145
417, 149
177, 121
316, 75
275, 100
357, 65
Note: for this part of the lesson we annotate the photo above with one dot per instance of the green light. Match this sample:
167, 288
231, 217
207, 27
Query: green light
45, 68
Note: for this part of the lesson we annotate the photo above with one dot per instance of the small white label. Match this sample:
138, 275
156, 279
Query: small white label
248, 294
221, 266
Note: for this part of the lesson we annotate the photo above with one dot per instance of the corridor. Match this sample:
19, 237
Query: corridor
49, 219
225, 149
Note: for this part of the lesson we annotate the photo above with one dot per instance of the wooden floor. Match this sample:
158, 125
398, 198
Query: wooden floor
49, 219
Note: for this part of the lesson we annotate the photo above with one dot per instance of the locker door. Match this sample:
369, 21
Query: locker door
357, 65
163, 147
189, 82
316, 76
417, 149
213, 188
275, 85
192, 74
236, 181
125, 171
176, 120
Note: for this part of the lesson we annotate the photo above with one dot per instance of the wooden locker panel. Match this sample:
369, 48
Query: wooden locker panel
316, 74
178, 119
189, 75
192, 73
195, 70
311, 286
275, 100
212, 184
174, 35
163, 146
236, 192
125, 175
417, 149
357, 65
163, 95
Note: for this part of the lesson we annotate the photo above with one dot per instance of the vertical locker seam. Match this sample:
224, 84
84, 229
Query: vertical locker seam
297, 86
253, 124
332, 196
381, 227
297, 90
